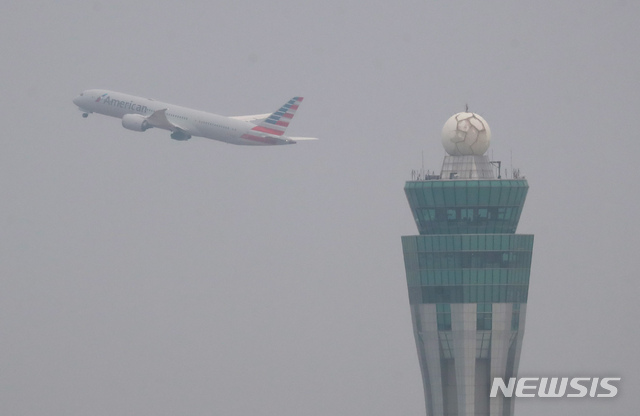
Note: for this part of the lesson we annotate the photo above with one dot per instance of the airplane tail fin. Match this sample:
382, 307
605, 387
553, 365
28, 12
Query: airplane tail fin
278, 122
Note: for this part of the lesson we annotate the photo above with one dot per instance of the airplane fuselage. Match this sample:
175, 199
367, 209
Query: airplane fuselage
139, 114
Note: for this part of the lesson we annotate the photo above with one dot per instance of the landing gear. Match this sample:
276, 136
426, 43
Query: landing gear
85, 115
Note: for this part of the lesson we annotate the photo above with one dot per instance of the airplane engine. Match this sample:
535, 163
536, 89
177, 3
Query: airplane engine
180, 136
135, 122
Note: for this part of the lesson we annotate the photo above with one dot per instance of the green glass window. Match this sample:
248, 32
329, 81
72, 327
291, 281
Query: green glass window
472, 194
460, 194
494, 197
484, 193
449, 193
484, 315
443, 316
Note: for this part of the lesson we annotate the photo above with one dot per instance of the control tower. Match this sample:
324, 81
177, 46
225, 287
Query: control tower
467, 274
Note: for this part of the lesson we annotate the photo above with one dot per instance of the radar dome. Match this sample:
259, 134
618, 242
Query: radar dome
466, 134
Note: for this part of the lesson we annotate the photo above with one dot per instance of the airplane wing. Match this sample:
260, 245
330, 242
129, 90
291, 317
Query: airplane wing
159, 119
254, 117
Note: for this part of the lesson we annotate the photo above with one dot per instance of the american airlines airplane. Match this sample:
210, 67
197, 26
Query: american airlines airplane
140, 114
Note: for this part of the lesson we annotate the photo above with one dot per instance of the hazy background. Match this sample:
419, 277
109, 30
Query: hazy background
144, 276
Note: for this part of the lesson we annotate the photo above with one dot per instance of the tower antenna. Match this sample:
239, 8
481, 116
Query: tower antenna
511, 162
466, 107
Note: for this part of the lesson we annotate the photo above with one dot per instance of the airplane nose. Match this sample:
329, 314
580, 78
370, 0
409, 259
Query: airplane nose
76, 100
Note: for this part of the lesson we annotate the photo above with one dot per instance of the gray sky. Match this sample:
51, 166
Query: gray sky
144, 276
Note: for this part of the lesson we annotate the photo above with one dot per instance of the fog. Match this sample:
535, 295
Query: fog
144, 276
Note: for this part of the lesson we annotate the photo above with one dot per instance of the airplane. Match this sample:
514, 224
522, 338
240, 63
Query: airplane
140, 114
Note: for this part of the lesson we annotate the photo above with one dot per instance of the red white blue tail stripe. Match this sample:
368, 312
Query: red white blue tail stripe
278, 122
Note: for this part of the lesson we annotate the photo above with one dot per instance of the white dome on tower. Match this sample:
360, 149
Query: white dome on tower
466, 134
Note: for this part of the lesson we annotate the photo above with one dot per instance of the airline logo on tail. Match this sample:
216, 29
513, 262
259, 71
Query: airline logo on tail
278, 122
